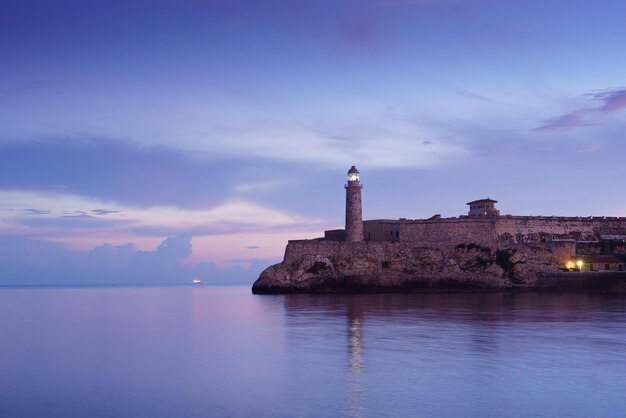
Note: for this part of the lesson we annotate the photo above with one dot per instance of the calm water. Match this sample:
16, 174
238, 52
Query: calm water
222, 352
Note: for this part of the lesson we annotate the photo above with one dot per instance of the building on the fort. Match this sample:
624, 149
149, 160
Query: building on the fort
484, 226
483, 207
595, 262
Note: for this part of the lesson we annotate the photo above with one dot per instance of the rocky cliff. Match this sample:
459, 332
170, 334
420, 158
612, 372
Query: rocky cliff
332, 266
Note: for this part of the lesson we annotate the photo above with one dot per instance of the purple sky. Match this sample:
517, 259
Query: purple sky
201, 135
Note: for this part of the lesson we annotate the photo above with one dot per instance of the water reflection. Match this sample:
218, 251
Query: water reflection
356, 361
478, 307
197, 352
355, 383
415, 350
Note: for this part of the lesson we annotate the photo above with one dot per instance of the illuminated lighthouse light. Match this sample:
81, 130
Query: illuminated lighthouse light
353, 174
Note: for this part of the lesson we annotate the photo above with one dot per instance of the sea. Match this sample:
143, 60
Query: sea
220, 351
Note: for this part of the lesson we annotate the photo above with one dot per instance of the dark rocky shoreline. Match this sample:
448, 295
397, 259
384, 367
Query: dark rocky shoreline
613, 283
380, 267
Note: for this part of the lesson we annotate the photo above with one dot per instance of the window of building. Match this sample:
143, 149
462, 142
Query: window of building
620, 267
385, 264
607, 267
590, 267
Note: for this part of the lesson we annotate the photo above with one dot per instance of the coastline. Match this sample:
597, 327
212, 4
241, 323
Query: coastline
566, 282
482, 251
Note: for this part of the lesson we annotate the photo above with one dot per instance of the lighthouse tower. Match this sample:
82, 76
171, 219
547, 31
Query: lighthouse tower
354, 214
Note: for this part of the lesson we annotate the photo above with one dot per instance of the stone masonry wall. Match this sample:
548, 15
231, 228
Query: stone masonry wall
354, 214
369, 256
532, 229
357, 250
333, 266
494, 231
449, 232
381, 230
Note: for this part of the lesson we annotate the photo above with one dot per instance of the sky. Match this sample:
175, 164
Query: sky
159, 141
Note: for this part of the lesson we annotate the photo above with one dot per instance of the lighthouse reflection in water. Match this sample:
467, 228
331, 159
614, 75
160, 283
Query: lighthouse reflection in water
201, 351
355, 385
462, 354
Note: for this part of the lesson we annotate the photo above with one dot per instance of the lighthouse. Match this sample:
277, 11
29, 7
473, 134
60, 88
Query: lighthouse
354, 214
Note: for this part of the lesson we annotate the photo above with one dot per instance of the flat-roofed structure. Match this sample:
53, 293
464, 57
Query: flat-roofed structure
483, 207
594, 262
382, 230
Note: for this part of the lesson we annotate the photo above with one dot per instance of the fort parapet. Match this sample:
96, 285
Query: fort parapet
495, 230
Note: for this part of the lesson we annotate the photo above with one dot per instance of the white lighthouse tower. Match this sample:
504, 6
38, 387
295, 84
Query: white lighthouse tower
354, 214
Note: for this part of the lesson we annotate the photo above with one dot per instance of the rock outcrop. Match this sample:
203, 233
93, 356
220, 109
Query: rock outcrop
336, 267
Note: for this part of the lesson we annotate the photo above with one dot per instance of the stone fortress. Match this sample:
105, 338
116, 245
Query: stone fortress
482, 249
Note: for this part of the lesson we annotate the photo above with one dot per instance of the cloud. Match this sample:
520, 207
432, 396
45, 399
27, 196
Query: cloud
175, 248
116, 170
222, 232
29, 261
613, 100
571, 120
232, 216
104, 211
384, 138
37, 211
64, 222
590, 148
77, 214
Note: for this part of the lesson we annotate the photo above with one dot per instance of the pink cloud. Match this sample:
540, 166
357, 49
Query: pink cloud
595, 147
571, 120
614, 100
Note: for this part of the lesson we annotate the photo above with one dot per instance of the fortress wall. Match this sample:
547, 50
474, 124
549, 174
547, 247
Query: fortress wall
608, 225
563, 251
560, 234
353, 257
617, 248
391, 258
494, 231
449, 232
381, 230
339, 249
531, 229
296, 249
